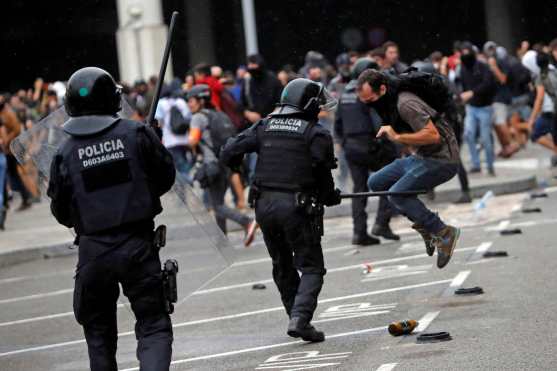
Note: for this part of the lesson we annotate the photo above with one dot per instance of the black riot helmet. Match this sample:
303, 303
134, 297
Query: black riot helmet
92, 91
306, 97
361, 65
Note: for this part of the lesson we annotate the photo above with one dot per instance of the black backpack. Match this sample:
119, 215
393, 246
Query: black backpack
179, 125
220, 128
434, 90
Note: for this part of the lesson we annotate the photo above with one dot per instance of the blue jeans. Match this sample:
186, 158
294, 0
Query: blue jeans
479, 119
182, 162
413, 174
3, 173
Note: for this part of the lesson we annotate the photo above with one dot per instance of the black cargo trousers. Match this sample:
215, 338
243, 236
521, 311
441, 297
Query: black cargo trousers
132, 261
294, 246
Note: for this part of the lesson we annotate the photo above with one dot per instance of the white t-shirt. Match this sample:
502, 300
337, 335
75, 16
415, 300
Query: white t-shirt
162, 114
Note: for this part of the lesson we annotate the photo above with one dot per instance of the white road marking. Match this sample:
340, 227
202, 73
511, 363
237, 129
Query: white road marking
425, 321
36, 296
238, 315
376, 313
264, 260
302, 360
504, 224
482, 248
393, 275
459, 279
265, 347
456, 283
332, 270
387, 367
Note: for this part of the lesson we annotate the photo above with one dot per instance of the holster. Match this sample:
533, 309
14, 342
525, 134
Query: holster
253, 195
169, 284
159, 239
310, 206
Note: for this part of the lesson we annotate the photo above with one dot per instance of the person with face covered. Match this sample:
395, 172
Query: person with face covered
478, 92
408, 120
260, 91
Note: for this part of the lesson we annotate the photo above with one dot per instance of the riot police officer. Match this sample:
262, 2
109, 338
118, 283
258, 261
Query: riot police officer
293, 181
105, 182
356, 125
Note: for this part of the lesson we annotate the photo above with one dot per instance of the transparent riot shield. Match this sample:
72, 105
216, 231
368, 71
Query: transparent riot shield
192, 238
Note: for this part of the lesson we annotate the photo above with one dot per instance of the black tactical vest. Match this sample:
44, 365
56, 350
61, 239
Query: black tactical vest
356, 118
110, 187
284, 160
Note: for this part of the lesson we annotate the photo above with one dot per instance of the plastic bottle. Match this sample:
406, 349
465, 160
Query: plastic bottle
402, 327
482, 203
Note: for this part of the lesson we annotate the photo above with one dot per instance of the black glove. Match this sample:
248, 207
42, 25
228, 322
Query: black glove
333, 198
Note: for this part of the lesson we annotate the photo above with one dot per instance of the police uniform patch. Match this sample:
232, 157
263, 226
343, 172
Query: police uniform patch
286, 124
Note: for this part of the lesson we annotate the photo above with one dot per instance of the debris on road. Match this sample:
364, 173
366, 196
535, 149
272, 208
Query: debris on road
434, 337
507, 232
495, 254
469, 291
403, 327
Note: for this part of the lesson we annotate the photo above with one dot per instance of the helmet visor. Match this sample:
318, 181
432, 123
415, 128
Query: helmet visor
326, 101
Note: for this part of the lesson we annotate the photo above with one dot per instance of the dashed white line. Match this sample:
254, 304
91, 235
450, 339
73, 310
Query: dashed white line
265, 347
425, 321
387, 367
332, 270
456, 283
238, 315
36, 296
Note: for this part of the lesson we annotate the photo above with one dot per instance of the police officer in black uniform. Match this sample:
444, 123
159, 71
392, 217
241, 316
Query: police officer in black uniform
105, 182
356, 125
293, 181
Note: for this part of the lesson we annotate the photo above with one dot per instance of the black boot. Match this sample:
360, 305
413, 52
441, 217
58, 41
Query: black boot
384, 231
3, 213
300, 328
365, 240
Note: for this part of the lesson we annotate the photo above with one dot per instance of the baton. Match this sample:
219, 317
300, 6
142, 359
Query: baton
382, 193
164, 63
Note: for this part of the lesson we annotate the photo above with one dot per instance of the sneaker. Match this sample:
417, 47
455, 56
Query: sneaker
299, 328
384, 231
491, 172
365, 240
445, 241
474, 170
465, 198
427, 237
250, 229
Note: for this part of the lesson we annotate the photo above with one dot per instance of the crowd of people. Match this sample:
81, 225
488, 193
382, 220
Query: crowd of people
505, 95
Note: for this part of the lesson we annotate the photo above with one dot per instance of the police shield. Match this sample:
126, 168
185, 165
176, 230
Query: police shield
193, 238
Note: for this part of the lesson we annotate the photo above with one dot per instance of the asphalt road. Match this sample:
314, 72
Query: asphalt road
227, 325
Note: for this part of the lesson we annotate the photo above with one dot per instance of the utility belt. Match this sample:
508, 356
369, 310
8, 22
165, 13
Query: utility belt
306, 202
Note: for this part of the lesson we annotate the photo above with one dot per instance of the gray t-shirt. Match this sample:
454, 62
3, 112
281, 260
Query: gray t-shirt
416, 113
200, 120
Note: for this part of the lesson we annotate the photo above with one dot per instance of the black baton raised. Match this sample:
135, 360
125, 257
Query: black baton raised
164, 63
382, 193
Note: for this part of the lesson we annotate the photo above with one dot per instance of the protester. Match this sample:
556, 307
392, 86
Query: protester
392, 58
435, 160
478, 85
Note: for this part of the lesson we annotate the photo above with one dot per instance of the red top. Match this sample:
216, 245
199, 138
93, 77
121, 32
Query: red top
216, 89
